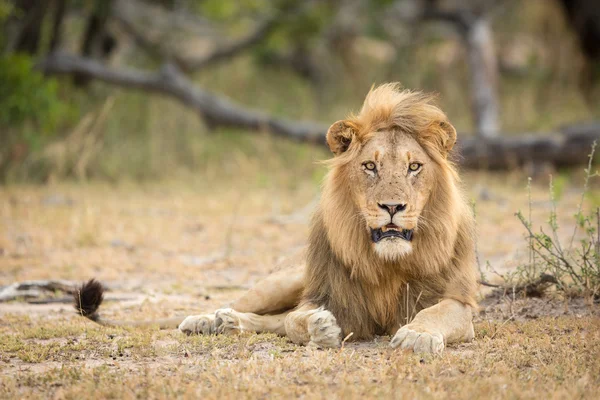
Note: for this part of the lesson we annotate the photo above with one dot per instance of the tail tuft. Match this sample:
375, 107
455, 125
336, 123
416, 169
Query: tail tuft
88, 298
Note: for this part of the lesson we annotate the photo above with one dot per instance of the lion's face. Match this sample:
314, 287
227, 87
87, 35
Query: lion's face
387, 161
391, 179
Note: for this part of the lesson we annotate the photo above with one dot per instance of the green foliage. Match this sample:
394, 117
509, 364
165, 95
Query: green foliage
26, 95
30, 110
227, 10
298, 29
6, 9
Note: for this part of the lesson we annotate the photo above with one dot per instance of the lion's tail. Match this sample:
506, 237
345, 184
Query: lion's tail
89, 297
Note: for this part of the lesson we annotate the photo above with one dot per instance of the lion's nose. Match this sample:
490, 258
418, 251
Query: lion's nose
392, 208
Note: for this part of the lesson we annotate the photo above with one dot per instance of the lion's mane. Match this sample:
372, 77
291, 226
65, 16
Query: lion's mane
369, 295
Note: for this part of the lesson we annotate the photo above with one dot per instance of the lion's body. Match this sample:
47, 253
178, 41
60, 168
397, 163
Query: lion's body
368, 294
380, 306
349, 281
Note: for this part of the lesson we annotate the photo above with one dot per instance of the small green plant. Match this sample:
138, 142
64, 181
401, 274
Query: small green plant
573, 267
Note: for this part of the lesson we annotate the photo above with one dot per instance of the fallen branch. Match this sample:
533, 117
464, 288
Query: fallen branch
69, 300
567, 148
536, 288
488, 284
34, 289
215, 110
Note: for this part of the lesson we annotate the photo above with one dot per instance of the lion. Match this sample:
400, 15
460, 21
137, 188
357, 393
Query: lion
391, 243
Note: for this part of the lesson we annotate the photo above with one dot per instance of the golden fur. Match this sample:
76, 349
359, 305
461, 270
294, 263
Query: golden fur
367, 294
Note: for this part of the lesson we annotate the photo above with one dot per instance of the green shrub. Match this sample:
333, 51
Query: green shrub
26, 95
30, 109
572, 266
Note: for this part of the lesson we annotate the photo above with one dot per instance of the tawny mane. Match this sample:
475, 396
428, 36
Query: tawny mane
388, 107
342, 269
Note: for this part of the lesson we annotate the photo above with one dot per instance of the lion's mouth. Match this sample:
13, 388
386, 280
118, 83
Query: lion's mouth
391, 231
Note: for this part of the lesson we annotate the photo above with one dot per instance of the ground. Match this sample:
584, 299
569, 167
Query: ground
168, 249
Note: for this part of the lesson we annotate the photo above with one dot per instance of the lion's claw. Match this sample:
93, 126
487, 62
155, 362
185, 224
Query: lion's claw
226, 321
324, 330
418, 340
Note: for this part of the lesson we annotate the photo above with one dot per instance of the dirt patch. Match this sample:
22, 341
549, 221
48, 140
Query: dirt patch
502, 306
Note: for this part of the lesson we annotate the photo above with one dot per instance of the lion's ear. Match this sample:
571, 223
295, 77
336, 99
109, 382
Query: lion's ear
443, 134
450, 139
340, 135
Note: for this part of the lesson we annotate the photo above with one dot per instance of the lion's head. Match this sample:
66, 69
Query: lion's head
390, 178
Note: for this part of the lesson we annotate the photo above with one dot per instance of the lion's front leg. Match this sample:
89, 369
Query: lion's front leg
449, 321
314, 326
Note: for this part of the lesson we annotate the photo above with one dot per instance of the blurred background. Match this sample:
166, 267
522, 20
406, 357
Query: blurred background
141, 90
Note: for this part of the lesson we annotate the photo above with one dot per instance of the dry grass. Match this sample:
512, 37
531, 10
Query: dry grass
171, 248
549, 357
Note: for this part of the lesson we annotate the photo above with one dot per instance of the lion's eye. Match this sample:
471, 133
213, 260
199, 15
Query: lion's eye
370, 166
413, 167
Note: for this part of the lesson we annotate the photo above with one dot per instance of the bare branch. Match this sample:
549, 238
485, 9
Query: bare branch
567, 148
534, 288
222, 53
561, 150
30, 289
140, 39
488, 284
214, 109
462, 19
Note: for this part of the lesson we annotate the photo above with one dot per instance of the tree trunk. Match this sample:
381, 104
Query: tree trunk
476, 32
584, 17
28, 40
483, 73
59, 16
95, 36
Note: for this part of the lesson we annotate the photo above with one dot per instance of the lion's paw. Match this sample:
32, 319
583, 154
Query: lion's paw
198, 324
324, 330
417, 339
227, 321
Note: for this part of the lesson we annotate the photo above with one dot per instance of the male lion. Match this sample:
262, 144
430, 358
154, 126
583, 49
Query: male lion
391, 245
